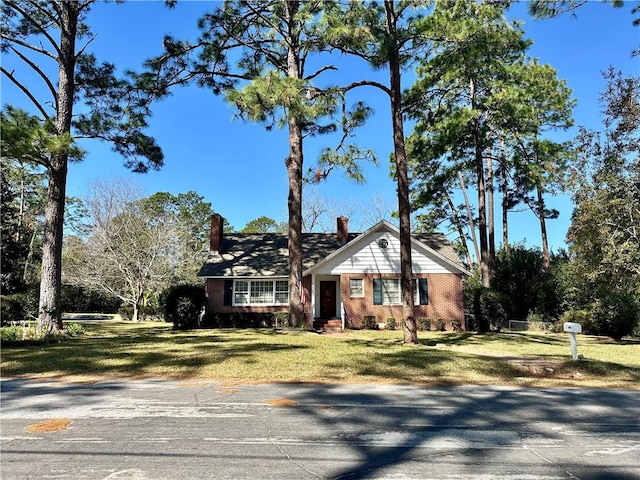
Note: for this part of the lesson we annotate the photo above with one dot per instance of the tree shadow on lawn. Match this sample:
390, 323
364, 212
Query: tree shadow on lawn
424, 365
472, 338
139, 356
435, 366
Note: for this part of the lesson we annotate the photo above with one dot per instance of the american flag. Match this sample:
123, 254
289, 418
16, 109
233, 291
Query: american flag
301, 290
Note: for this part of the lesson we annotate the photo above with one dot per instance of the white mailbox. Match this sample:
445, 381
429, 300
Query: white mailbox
572, 327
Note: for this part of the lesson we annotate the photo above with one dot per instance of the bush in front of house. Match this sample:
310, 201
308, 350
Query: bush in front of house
183, 306
456, 325
424, 324
369, 322
246, 320
439, 324
487, 306
390, 323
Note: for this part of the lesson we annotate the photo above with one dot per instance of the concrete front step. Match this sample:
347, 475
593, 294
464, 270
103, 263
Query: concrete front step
328, 324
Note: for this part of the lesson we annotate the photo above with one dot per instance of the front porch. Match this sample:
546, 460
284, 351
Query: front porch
326, 303
327, 324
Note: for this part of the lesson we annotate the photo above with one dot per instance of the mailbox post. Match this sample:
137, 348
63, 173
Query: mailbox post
573, 328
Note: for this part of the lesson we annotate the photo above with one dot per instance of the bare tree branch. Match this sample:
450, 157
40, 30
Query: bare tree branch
25, 90
39, 26
38, 70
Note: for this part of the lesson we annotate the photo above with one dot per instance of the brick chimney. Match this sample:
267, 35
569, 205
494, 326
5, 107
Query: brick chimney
215, 236
343, 229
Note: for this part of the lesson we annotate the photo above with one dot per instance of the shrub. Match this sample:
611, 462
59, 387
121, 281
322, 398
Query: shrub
126, 313
369, 322
153, 307
488, 309
22, 306
77, 299
424, 324
616, 314
440, 324
28, 334
390, 323
536, 323
456, 325
11, 334
245, 320
73, 329
10, 309
184, 305
281, 319
583, 317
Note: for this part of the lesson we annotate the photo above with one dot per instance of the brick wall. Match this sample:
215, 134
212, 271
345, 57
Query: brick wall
445, 301
214, 289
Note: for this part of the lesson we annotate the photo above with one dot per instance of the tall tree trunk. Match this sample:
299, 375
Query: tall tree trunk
49, 309
137, 305
27, 262
294, 171
136, 312
505, 210
472, 223
406, 281
491, 212
458, 224
546, 256
22, 206
484, 260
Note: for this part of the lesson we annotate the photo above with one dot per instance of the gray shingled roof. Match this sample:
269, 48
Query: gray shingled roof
267, 254
440, 243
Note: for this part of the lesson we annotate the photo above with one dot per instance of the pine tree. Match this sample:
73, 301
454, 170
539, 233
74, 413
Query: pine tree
39, 32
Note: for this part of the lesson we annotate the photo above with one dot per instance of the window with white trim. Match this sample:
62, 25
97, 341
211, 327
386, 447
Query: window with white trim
387, 291
260, 292
282, 291
356, 287
241, 292
391, 291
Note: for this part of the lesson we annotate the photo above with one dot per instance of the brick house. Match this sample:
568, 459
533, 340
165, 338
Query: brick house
346, 276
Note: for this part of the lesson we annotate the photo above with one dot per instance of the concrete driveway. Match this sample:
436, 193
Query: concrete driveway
155, 429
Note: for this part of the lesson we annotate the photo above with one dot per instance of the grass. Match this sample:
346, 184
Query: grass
153, 349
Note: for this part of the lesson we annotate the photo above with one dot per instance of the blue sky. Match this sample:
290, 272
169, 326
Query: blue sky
239, 167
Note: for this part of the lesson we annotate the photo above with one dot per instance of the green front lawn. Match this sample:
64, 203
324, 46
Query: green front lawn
151, 349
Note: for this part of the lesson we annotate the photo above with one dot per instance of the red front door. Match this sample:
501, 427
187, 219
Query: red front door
327, 299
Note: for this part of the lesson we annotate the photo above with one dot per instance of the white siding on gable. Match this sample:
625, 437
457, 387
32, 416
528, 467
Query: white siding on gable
369, 257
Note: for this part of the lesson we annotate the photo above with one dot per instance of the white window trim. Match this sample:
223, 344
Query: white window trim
399, 299
416, 292
362, 282
249, 281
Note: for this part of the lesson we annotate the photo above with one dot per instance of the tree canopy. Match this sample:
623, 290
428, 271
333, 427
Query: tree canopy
51, 41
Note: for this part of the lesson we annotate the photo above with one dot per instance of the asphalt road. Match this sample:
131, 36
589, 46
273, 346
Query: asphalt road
178, 430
